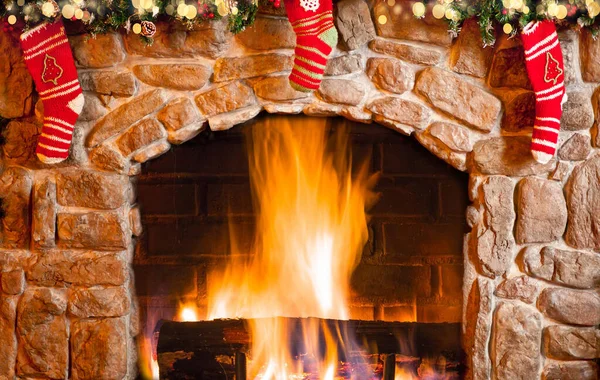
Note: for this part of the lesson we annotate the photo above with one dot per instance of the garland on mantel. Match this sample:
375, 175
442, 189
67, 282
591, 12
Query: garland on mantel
139, 16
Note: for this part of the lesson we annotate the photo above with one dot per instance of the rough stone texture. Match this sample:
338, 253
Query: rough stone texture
179, 113
104, 50
561, 171
435, 146
43, 336
135, 221
107, 302
508, 66
570, 268
277, 88
20, 140
227, 69
210, 39
519, 110
227, 121
107, 357
541, 211
183, 77
185, 134
95, 230
495, 246
478, 327
578, 113
93, 109
508, 155
141, 134
577, 307
43, 228
105, 157
15, 82
401, 111
408, 53
354, 24
13, 282
568, 343
8, 348
589, 50
268, 34
152, 151
125, 115
79, 268
577, 148
404, 26
115, 83
468, 56
343, 64
453, 136
583, 201
522, 288
390, 75
341, 91
582, 370
516, 342
458, 98
15, 187
90, 189
229, 97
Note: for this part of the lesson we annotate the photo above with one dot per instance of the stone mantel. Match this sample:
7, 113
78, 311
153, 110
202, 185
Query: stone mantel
67, 238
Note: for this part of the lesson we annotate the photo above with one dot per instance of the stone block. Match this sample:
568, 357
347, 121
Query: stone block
478, 325
107, 302
103, 50
341, 91
581, 370
519, 110
354, 24
140, 135
570, 268
228, 120
390, 75
227, 69
20, 139
58, 268
521, 288
516, 342
152, 151
508, 65
79, 188
16, 86
583, 202
226, 98
589, 53
268, 33
182, 77
8, 348
179, 113
99, 349
577, 148
115, 83
468, 55
105, 157
459, 98
401, 111
44, 214
541, 211
94, 230
277, 88
508, 155
577, 307
419, 55
569, 343
43, 336
124, 116
454, 136
13, 282
343, 64
93, 109
578, 113
15, 187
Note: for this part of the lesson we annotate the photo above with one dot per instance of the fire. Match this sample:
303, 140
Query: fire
311, 229
188, 313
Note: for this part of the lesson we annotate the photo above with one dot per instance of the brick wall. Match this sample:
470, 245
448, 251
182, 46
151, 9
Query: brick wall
411, 268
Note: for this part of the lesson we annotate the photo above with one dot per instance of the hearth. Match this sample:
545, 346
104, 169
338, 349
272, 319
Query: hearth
201, 224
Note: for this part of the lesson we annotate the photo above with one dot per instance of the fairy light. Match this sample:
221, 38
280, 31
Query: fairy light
439, 11
78, 14
12, 19
68, 11
137, 28
418, 9
191, 12
562, 12
507, 28
48, 9
182, 9
382, 19
552, 9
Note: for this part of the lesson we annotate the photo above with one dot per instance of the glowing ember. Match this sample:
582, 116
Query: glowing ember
188, 314
311, 229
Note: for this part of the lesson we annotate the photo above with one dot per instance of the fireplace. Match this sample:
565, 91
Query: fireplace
81, 243
410, 268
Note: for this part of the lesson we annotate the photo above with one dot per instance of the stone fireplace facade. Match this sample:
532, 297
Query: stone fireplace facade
68, 232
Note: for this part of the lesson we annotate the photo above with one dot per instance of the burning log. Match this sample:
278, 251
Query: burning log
217, 349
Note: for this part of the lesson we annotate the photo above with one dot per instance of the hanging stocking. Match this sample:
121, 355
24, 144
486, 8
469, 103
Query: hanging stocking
315, 39
50, 62
545, 68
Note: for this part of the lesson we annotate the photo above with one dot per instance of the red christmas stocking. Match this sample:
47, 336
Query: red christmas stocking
315, 39
50, 62
545, 68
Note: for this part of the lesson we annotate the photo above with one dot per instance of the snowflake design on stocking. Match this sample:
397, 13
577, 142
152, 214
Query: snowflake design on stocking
309, 5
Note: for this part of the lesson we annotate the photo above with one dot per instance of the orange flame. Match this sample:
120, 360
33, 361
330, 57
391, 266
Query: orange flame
311, 229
